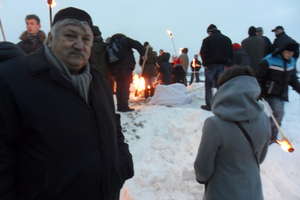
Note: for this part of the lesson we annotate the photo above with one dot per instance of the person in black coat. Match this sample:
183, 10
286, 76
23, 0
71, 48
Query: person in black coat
59, 135
164, 68
281, 40
216, 53
122, 69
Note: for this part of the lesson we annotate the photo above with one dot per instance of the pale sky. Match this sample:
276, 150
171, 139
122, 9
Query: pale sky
148, 20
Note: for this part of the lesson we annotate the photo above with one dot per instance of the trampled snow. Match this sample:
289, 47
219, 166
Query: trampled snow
164, 142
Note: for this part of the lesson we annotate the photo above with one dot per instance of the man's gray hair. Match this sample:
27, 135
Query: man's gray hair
75, 22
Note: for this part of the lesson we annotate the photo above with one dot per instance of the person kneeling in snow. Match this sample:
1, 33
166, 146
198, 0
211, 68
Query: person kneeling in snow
226, 162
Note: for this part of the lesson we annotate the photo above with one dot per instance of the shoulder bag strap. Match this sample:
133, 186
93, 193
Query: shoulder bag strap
247, 136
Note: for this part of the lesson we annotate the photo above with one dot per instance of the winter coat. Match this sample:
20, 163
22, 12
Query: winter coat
240, 57
184, 61
53, 145
164, 69
268, 45
216, 49
198, 65
98, 57
127, 62
225, 161
281, 41
255, 48
275, 74
150, 64
31, 43
9, 50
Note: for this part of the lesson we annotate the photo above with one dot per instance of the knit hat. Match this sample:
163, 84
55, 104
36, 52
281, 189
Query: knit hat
252, 31
211, 28
73, 13
291, 47
236, 46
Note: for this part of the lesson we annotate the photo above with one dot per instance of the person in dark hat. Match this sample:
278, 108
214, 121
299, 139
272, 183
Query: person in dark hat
216, 53
282, 39
60, 137
255, 47
278, 71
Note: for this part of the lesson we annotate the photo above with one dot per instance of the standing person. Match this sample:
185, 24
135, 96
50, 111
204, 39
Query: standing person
234, 141
282, 39
33, 38
216, 53
122, 69
184, 59
164, 68
255, 47
278, 71
268, 44
59, 136
149, 69
195, 68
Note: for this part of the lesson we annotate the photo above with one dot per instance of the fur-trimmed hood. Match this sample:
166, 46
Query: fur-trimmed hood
40, 35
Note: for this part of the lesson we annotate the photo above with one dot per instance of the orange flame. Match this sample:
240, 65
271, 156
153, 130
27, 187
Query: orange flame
286, 145
52, 3
138, 84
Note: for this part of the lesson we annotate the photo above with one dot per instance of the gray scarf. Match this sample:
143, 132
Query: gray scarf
81, 81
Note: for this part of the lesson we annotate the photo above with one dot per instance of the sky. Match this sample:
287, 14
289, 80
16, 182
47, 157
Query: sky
149, 20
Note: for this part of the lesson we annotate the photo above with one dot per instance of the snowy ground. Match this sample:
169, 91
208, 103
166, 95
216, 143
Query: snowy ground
164, 142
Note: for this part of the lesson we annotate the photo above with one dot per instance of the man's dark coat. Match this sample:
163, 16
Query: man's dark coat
54, 145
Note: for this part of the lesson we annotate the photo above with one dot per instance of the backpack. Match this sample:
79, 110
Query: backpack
114, 49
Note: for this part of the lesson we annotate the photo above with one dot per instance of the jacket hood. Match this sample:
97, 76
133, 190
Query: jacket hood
9, 50
236, 99
40, 35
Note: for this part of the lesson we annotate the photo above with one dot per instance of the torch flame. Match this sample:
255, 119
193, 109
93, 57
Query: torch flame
52, 3
285, 145
170, 34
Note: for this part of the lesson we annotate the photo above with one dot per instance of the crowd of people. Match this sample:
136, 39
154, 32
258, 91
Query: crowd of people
61, 138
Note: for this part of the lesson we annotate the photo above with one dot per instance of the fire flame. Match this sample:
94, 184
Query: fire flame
285, 145
138, 84
52, 3
170, 34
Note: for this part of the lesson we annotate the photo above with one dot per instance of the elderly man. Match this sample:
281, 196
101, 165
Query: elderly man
33, 38
59, 135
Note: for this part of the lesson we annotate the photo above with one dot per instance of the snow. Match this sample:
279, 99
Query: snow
164, 142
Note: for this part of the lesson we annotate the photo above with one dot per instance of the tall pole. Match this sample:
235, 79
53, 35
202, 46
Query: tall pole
50, 12
171, 36
2, 31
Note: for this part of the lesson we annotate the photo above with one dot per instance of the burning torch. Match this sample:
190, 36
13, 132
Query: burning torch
284, 142
51, 4
171, 36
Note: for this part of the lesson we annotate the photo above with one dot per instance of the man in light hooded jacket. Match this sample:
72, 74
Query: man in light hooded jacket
225, 162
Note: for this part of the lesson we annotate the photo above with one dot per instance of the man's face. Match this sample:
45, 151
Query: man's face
32, 26
287, 54
278, 31
72, 45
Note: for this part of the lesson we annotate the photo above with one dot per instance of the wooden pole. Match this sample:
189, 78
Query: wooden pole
2, 31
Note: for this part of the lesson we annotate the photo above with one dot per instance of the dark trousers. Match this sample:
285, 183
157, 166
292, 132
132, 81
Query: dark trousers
123, 79
195, 74
212, 73
277, 106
